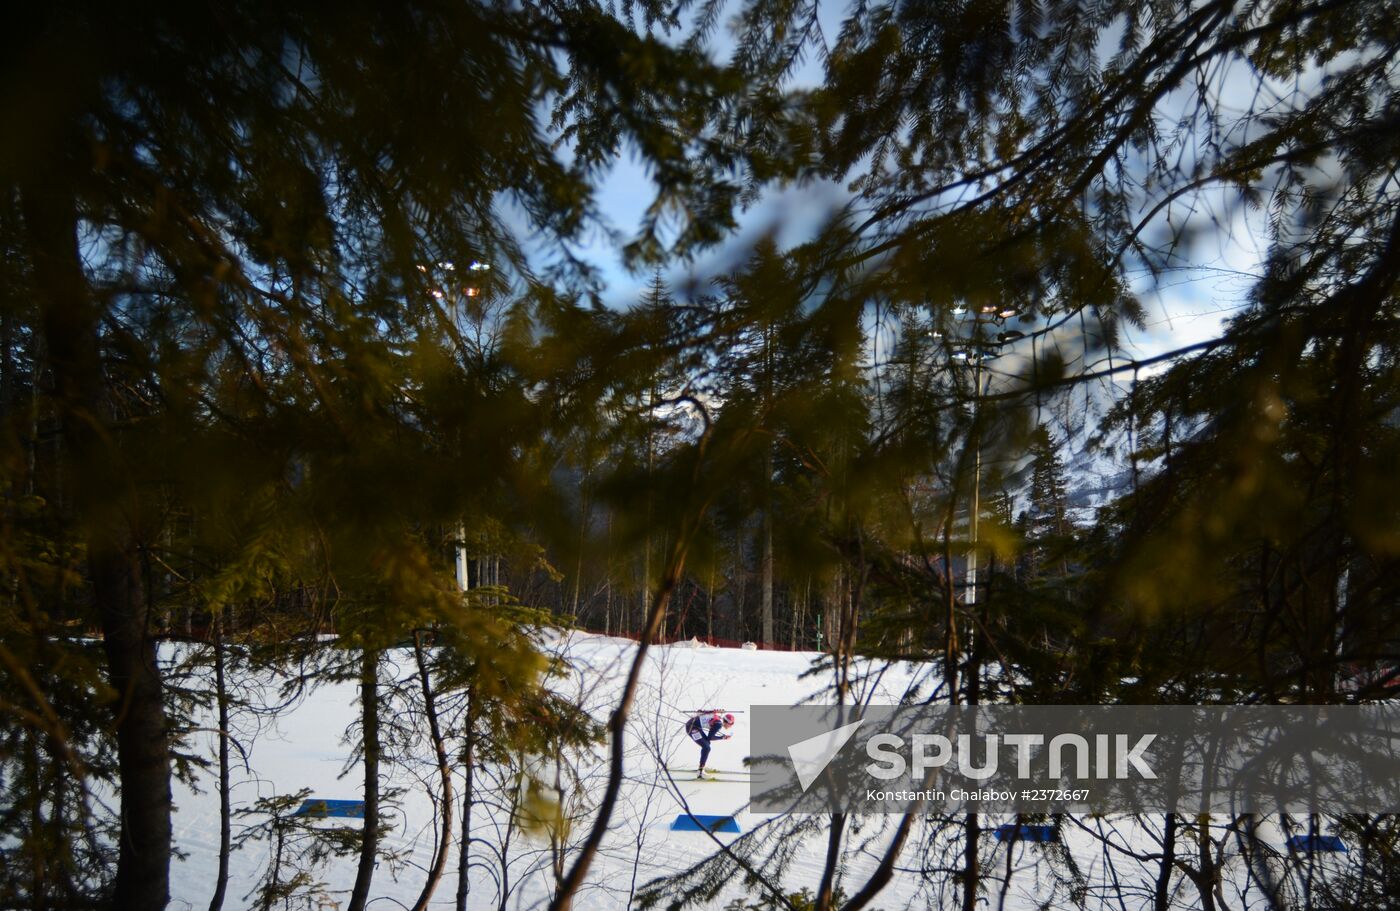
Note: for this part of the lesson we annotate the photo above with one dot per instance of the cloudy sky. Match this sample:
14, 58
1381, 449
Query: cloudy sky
1184, 306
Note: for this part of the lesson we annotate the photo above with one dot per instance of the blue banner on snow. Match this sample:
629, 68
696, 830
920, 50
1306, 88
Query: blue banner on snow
699, 823
321, 809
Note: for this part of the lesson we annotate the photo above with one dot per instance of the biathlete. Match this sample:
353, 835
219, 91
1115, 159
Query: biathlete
705, 728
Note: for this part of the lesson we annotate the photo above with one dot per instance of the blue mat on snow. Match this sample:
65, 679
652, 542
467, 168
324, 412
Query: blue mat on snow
1312, 843
701, 823
321, 809
1012, 832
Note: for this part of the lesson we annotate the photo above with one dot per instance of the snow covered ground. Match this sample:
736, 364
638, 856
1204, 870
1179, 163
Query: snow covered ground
307, 747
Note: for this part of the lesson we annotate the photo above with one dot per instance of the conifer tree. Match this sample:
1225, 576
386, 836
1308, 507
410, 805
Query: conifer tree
1047, 502
1046, 160
218, 214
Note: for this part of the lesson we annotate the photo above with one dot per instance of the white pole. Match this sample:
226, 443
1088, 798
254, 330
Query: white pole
970, 598
460, 552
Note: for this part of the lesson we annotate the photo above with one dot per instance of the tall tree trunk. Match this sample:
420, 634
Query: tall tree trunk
710, 609
1208, 881
767, 566
950, 620
644, 602
826, 888
444, 774
608, 598
768, 635
105, 503
585, 513
35, 852
7, 363
1246, 829
617, 725
468, 761
741, 578
225, 809
972, 863
369, 721
64, 863
39, 360
1161, 899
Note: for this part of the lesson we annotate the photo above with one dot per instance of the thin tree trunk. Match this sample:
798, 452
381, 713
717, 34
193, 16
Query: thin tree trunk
39, 359
768, 635
585, 514
36, 853
767, 558
225, 808
279, 853
60, 811
884, 871
617, 726
143, 753
950, 628
972, 863
468, 761
607, 602
1161, 899
710, 609
7, 369
369, 721
741, 577
1008, 872
1206, 866
444, 773
826, 889
645, 599
1251, 846
646, 577
104, 501
558, 833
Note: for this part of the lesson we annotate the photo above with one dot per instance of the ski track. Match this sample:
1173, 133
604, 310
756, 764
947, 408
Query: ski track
308, 748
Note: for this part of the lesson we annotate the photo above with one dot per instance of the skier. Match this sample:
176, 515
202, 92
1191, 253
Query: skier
705, 728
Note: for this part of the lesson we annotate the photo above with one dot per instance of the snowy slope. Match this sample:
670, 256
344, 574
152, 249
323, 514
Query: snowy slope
307, 748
